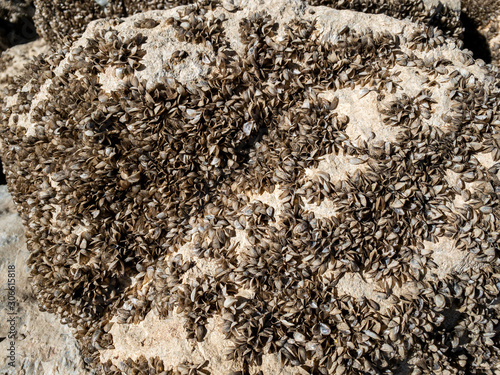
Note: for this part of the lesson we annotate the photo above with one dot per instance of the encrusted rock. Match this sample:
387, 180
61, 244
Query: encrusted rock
12, 62
57, 20
42, 345
442, 14
263, 187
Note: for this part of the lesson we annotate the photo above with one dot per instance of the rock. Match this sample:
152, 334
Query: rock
42, 345
246, 188
442, 14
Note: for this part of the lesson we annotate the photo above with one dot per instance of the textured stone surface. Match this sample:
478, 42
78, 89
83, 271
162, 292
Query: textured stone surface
43, 345
299, 190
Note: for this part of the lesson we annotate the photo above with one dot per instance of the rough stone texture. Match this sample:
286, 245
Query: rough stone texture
299, 190
43, 345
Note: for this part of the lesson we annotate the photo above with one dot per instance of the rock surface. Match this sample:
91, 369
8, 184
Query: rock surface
298, 190
42, 344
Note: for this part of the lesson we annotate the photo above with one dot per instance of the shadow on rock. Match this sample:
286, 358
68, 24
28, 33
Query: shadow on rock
474, 40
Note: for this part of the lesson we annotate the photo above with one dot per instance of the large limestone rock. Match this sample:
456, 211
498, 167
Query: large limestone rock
263, 187
42, 345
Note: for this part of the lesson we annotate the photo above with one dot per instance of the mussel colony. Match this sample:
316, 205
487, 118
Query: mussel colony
57, 20
112, 186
